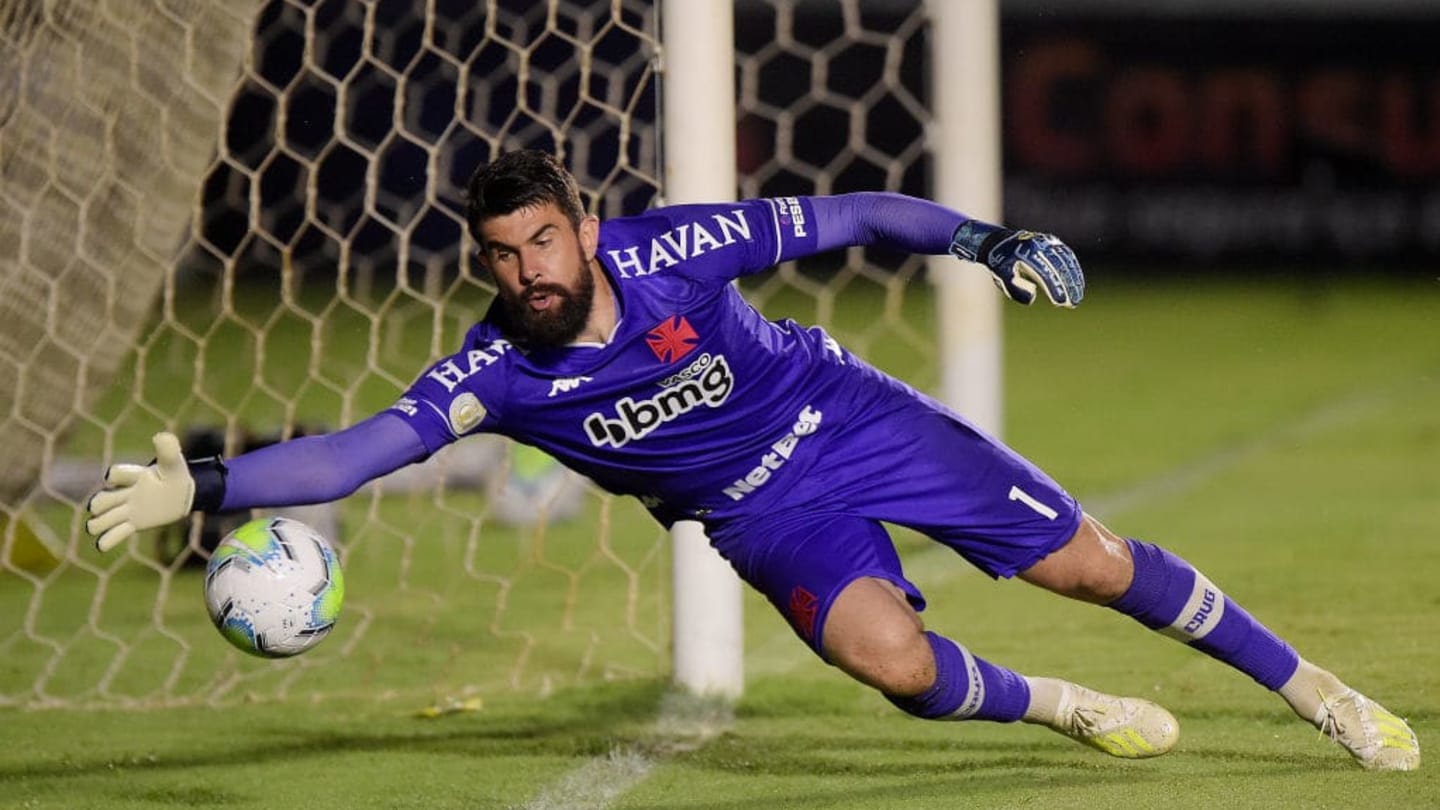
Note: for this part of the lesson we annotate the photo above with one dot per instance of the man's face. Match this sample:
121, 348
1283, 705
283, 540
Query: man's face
541, 265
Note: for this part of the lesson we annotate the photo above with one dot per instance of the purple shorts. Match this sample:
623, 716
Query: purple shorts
920, 467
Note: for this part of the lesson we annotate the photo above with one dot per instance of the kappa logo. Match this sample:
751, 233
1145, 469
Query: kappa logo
636, 419
565, 385
672, 339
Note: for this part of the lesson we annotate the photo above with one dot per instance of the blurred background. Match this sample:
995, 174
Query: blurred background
1275, 133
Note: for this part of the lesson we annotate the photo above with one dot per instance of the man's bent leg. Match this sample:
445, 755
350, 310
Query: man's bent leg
872, 633
837, 579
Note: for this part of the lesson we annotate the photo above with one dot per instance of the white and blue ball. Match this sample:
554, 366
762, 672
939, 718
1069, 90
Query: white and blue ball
274, 587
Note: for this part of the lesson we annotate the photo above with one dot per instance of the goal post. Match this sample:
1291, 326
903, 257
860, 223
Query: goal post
698, 125
965, 72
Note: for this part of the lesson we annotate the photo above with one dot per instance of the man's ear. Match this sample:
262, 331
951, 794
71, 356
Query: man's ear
589, 236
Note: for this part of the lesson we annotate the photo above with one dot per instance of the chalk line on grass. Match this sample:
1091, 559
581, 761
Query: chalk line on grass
685, 723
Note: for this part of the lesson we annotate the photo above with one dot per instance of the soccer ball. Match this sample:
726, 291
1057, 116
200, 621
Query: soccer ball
274, 588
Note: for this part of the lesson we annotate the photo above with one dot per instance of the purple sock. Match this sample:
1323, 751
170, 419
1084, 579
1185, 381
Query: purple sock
1170, 596
967, 688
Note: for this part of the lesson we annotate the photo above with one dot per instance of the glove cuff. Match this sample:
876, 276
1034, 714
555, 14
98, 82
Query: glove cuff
991, 241
974, 240
209, 476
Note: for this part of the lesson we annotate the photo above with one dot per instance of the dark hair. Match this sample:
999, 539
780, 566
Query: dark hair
521, 179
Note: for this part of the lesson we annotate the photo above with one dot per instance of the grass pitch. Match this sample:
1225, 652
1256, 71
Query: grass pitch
1287, 444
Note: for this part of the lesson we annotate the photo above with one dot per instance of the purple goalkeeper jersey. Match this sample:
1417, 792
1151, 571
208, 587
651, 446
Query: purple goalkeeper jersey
791, 450
698, 405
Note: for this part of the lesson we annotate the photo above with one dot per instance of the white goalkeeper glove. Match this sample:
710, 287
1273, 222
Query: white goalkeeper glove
1022, 262
139, 497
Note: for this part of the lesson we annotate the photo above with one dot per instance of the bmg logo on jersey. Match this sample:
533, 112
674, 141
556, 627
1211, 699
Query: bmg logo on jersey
636, 419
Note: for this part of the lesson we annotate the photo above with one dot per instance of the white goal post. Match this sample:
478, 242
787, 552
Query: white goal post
965, 70
698, 135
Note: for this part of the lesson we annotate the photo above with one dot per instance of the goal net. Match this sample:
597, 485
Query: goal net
242, 221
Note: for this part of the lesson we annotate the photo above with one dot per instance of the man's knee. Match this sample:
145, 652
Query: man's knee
874, 635
1094, 566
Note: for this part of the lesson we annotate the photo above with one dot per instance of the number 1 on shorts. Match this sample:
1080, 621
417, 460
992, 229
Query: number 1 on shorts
1018, 494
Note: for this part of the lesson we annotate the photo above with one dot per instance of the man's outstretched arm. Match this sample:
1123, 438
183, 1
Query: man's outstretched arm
310, 469
1021, 262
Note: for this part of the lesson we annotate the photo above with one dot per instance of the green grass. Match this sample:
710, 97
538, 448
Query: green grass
1287, 444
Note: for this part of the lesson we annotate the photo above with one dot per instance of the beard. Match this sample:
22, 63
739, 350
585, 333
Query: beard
563, 321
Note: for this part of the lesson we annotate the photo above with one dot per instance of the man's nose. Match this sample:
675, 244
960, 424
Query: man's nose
530, 271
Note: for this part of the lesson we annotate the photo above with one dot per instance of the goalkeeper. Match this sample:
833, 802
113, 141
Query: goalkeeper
624, 350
